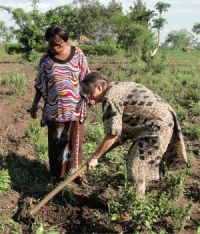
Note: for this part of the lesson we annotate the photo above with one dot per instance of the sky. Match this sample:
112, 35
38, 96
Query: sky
182, 14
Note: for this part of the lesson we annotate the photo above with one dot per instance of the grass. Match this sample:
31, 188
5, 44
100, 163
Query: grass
175, 77
15, 82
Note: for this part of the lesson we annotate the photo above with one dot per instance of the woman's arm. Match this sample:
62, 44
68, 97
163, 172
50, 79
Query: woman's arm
34, 108
106, 143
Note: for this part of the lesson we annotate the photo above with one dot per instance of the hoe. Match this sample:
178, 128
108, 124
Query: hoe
34, 210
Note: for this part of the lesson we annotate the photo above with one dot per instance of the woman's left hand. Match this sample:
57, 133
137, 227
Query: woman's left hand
33, 111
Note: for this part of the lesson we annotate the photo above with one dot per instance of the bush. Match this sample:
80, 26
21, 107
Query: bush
14, 48
31, 56
99, 49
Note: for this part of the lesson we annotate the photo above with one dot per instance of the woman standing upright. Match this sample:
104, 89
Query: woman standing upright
59, 72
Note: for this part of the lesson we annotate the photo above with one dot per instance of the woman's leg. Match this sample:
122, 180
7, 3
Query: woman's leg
144, 159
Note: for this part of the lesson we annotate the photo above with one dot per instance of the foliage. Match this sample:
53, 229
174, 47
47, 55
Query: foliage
99, 50
38, 138
67, 16
102, 24
160, 22
142, 212
96, 20
6, 34
192, 130
18, 82
31, 56
181, 112
179, 38
30, 26
196, 28
4, 180
140, 15
136, 40
162, 7
2, 29
14, 48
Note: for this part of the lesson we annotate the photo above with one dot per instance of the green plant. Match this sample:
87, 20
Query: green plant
175, 182
69, 192
38, 138
99, 50
122, 170
9, 225
5, 180
38, 227
198, 229
18, 83
194, 108
181, 112
192, 130
14, 48
31, 56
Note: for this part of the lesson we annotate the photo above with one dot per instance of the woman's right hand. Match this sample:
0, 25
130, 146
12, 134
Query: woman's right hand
33, 111
91, 162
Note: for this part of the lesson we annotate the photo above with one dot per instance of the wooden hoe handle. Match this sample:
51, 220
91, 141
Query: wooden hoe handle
68, 180
56, 190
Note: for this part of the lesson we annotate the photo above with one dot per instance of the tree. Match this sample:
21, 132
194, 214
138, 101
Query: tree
3, 30
135, 35
97, 21
67, 16
30, 26
140, 15
162, 7
112, 17
160, 22
137, 40
196, 28
90, 17
179, 39
6, 34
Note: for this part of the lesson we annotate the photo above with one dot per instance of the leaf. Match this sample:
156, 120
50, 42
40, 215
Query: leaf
114, 216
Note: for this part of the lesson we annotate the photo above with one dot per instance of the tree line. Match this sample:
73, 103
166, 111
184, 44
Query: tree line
137, 31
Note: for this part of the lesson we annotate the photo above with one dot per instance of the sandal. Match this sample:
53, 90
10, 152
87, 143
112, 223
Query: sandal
80, 180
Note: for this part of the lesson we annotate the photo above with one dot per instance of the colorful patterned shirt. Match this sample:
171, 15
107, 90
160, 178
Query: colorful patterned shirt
58, 82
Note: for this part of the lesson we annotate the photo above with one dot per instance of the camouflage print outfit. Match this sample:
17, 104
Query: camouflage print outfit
133, 110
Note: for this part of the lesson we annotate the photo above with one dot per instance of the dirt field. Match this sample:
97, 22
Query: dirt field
17, 151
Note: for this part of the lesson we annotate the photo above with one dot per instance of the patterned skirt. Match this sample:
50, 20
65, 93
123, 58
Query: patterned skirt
150, 155
65, 147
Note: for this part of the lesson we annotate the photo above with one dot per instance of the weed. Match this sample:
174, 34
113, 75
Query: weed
9, 225
175, 182
198, 229
122, 170
192, 130
38, 138
5, 180
181, 112
194, 108
18, 82
69, 193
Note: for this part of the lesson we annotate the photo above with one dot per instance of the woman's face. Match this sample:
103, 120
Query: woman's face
97, 95
56, 45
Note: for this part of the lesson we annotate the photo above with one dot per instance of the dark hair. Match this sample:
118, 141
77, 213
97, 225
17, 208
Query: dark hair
88, 84
57, 31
